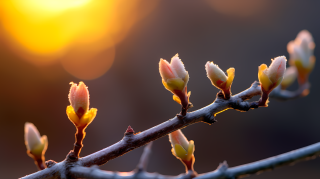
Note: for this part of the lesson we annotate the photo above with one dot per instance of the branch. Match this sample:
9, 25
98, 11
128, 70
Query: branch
53, 171
223, 172
93, 172
130, 141
206, 114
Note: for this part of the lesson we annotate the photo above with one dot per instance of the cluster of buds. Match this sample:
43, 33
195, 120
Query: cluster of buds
301, 55
78, 112
182, 149
36, 145
219, 79
175, 79
271, 77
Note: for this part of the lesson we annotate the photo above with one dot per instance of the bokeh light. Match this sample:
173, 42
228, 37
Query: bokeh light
81, 34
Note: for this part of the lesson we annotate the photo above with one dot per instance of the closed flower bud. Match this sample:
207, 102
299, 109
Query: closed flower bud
271, 77
175, 79
78, 112
218, 78
79, 98
36, 145
181, 147
289, 76
301, 54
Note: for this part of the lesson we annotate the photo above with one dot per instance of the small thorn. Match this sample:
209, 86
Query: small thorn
129, 131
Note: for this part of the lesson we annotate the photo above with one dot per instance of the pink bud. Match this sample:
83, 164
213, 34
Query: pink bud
182, 148
175, 79
129, 130
177, 137
277, 69
79, 98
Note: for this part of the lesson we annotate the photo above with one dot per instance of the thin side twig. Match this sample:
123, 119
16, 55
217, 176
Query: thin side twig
143, 163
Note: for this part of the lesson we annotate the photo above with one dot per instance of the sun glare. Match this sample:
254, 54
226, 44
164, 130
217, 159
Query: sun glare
70, 31
50, 6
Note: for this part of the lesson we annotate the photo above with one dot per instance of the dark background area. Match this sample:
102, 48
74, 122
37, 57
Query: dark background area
131, 92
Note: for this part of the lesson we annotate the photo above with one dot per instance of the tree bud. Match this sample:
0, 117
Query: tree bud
271, 77
301, 54
175, 79
36, 145
78, 112
181, 147
218, 78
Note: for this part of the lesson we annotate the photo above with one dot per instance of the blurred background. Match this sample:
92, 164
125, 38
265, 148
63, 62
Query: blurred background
115, 47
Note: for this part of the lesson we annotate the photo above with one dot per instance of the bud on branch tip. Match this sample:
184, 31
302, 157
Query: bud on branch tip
78, 112
182, 148
36, 145
271, 77
175, 79
301, 54
219, 79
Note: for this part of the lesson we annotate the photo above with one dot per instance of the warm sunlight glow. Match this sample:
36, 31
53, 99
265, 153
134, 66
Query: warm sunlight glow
79, 33
51, 6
